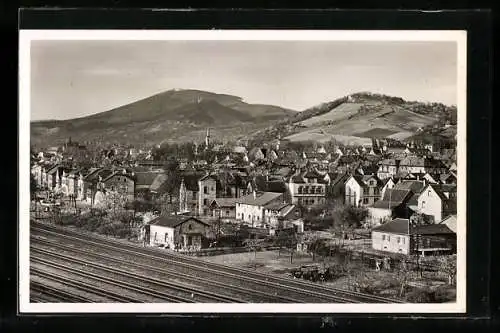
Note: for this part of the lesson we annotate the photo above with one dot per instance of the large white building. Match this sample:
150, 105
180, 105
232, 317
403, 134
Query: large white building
308, 188
251, 208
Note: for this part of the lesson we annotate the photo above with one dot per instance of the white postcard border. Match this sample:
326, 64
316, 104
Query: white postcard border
25, 38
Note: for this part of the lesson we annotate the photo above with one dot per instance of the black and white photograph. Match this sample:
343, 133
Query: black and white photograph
233, 171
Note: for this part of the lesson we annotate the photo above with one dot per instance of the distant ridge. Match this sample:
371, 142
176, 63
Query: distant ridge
176, 114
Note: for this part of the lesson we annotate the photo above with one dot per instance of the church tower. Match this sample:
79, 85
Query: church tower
207, 139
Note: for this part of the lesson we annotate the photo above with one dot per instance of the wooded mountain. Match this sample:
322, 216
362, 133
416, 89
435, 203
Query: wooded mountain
181, 115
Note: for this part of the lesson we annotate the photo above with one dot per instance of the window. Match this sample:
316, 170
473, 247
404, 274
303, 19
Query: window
194, 196
190, 226
388, 238
429, 193
155, 236
375, 199
318, 189
312, 201
300, 190
398, 239
365, 201
166, 236
205, 201
212, 189
383, 237
423, 204
205, 189
258, 218
227, 213
403, 240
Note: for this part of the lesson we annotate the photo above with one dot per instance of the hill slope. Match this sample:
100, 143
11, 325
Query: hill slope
180, 115
357, 118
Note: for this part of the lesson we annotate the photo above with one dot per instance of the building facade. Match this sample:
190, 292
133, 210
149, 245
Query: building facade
308, 188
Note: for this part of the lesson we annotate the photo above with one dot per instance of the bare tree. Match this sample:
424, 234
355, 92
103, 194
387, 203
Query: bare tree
448, 265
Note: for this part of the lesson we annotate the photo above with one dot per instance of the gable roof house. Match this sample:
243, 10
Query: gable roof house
388, 168
362, 190
400, 236
224, 208
393, 204
250, 208
307, 188
185, 233
437, 201
275, 214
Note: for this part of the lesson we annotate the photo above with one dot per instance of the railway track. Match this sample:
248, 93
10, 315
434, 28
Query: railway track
159, 289
246, 294
302, 290
41, 293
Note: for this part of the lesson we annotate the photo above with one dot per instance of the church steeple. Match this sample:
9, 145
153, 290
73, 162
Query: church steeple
207, 139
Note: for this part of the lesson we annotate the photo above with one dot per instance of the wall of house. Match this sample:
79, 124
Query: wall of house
308, 194
388, 185
162, 235
249, 213
191, 229
205, 198
389, 242
386, 171
225, 212
353, 192
122, 183
429, 203
377, 215
371, 194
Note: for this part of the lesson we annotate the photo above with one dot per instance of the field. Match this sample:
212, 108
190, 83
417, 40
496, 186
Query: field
376, 133
321, 136
355, 124
341, 112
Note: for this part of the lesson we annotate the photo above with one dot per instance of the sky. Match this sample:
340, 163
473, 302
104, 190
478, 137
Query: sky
71, 79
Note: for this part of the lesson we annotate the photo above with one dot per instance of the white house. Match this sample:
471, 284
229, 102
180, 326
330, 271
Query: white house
393, 236
437, 201
388, 184
251, 208
178, 231
362, 190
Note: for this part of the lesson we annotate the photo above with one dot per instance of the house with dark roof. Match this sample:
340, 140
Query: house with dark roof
250, 208
393, 204
400, 236
308, 188
448, 178
387, 168
437, 201
121, 182
335, 185
277, 213
184, 233
387, 183
144, 180
415, 165
362, 190
224, 208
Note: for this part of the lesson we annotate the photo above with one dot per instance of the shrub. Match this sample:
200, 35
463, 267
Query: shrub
421, 295
444, 294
